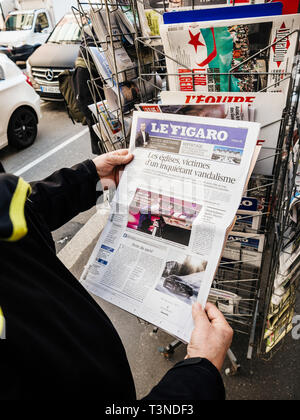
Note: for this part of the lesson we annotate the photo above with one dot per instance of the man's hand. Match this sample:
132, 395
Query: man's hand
110, 165
212, 336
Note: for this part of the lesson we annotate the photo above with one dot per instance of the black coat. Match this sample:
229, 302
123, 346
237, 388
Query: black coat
59, 343
139, 141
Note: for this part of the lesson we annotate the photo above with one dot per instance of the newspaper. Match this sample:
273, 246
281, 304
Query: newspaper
120, 24
244, 106
249, 216
111, 51
126, 89
210, 50
110, 127
237, 112
171, 215
245, 247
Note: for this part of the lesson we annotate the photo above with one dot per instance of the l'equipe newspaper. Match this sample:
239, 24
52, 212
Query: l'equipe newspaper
171, 215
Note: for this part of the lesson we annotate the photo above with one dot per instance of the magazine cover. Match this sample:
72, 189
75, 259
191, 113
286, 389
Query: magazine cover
235, 106
171, 215
212, 50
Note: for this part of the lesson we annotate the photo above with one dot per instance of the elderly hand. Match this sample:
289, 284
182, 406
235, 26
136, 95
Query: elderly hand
212, 335
110, 165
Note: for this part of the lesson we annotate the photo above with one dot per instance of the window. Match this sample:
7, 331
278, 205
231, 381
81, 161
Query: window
41, 22
19, 22
67, 31
2, 75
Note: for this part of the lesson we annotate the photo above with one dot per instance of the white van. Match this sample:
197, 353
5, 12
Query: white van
6, 6
29, 27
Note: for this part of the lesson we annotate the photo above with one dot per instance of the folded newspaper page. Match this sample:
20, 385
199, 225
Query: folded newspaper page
210, 50
171, 215
236, 106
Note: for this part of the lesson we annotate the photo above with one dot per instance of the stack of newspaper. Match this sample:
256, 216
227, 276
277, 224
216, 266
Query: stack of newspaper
240, 64
182, 225
282, 307
171, 217
112, 54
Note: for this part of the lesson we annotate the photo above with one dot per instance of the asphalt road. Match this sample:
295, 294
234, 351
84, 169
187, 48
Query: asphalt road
55, 130
59, 144
62, 144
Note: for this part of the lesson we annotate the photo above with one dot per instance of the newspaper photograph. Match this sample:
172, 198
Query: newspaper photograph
237, 106
211, 50
171, 215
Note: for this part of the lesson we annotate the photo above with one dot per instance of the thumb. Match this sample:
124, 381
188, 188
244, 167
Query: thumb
121, 159
199, 315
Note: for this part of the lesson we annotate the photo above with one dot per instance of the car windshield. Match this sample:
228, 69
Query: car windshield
66, 32
19, 22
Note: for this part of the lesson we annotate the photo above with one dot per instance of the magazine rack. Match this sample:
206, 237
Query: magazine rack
263, 323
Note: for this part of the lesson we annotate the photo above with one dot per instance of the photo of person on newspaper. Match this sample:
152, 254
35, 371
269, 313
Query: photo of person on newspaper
162, 217
182, 277
143, 138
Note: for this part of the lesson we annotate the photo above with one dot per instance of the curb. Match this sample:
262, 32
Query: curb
89, 233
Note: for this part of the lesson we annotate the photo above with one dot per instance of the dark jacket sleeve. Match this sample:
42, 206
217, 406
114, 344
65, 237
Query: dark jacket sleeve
66, 193
192, 379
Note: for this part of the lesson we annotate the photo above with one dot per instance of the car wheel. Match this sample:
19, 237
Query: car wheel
22, 128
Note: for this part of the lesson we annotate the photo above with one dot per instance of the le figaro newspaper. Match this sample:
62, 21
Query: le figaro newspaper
243, 106
171, 215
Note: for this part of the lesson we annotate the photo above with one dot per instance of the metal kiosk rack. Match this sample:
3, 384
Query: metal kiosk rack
266, 293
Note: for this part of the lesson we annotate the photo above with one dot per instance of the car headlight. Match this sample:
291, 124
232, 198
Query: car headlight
28, 69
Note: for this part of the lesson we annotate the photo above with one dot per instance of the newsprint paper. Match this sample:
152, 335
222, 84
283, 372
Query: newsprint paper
245, 48
263, 108
171, 216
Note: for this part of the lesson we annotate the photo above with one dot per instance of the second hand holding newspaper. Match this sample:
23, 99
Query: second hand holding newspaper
171, 216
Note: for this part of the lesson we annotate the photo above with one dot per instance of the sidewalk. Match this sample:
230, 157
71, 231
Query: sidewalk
257, 379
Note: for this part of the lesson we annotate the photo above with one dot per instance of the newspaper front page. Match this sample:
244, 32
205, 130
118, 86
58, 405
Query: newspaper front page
250, 106
211, 50
171, 216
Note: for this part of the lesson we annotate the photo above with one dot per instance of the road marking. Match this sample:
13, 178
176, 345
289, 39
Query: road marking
50, 153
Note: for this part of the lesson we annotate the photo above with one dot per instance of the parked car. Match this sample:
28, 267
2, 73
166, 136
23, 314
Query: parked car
57, 55
178, 286
28, 28
20, 107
